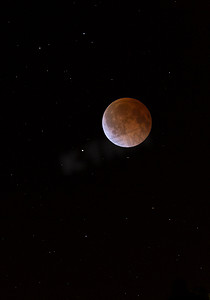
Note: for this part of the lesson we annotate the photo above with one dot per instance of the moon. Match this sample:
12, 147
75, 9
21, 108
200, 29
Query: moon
126, 122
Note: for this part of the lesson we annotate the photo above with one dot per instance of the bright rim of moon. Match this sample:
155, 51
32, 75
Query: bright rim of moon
127, 122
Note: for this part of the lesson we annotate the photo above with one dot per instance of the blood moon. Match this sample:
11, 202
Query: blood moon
127, 122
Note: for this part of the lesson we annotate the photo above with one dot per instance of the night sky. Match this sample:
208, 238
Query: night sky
81, 218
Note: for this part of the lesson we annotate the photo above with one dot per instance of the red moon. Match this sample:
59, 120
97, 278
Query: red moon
127, 122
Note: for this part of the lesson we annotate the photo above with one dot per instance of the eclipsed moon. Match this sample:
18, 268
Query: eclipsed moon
127, 122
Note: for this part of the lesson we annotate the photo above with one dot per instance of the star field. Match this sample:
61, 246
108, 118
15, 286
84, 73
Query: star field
82, 218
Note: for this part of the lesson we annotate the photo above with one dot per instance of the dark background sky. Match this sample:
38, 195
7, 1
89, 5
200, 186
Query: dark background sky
80, 217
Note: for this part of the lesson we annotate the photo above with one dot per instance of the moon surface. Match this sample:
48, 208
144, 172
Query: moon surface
127, 122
